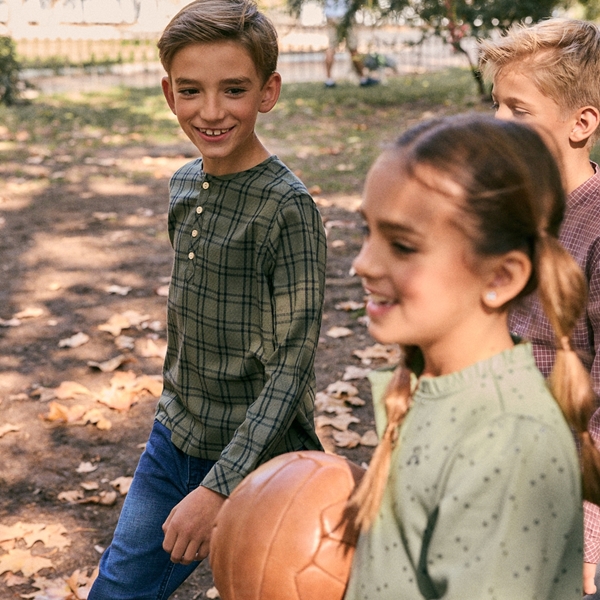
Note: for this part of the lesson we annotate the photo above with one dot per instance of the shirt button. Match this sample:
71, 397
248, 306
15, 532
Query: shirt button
191, 255
195, 233
199, 209
205, 185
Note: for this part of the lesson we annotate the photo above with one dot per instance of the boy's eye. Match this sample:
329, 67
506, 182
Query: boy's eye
187, 91
235, 91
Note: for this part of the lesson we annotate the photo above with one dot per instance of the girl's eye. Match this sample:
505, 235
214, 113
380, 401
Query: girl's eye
364, 229
495, 106
401, 248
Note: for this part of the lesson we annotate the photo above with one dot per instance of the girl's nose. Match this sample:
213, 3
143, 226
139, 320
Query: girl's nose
365, 264
503, 112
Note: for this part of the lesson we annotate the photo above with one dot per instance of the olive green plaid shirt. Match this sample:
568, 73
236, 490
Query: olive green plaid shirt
244, 314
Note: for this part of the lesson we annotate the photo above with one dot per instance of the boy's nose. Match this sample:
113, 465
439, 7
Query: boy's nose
211, 110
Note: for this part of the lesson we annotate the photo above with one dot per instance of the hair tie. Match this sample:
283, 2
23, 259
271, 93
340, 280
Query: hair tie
565, 344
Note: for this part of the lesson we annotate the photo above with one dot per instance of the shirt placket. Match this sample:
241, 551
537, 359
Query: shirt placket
197, 226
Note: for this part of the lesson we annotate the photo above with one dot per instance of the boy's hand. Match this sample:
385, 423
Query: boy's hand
589, 573
189, 526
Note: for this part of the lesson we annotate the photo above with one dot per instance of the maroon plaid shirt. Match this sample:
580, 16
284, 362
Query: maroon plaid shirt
580, 235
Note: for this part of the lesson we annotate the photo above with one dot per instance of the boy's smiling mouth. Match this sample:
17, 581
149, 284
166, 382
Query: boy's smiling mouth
214, 132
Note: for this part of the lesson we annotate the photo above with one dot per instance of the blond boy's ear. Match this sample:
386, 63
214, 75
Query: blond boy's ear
270, 93
168, 92
586, 121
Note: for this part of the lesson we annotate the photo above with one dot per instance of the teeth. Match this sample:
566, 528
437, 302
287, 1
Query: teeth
214, 132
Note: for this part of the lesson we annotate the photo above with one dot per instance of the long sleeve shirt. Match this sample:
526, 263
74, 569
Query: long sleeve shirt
244, 313
580, 235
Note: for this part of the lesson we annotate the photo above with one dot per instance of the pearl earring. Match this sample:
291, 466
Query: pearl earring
491, 296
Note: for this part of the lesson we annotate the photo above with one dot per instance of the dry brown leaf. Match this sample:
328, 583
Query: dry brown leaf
44, 394
328, 404
213, 593
121, 484
52, 536
340, 422
70, 389
81, 584
125, 342
104, 498
119, 290
90, 486
163, 291
115, 324
351, 373
7, 428
70, 496
341, 389
79, 339
339, 332
22, 560
148, 348
390, 353
60, 412
29, 313
95, 417
50, 589
118, 398
369, 438
11, 580
346, 439
86, 467
9, 545
149, 383
108, 366
17, 531
10, 322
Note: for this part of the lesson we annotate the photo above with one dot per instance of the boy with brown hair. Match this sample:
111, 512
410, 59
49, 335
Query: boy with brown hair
547, 76
244, 307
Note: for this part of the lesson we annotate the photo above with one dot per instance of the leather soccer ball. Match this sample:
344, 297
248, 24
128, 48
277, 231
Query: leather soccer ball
283, 534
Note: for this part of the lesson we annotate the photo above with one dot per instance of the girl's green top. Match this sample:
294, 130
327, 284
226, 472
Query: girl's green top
483, 499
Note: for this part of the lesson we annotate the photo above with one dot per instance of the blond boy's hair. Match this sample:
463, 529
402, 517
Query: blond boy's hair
562, 57
208, 21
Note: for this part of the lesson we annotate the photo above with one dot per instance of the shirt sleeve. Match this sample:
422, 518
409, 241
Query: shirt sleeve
297, 291
502, 499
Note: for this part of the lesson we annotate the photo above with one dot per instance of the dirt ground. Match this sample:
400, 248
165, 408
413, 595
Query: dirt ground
69, 231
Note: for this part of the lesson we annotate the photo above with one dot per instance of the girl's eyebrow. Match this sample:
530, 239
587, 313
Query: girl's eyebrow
392, 226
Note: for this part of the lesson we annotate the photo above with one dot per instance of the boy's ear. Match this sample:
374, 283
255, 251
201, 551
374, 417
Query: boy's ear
168, 92
508, 276
587, 120
270, 93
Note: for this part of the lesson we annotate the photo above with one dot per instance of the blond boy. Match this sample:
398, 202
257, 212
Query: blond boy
548, 76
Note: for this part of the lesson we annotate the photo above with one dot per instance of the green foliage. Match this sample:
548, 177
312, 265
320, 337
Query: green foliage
9, 72
591, 8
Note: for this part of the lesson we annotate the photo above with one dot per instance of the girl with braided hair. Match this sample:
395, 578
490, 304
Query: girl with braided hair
475, 489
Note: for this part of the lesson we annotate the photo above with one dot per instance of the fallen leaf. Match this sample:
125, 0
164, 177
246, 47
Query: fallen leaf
44, 394
22, 560
115, 325
11, 580
149, 383
369, 438
341, 389
81, 584
213, 593
7, 428
328, 404
105, 216
118, 398
119, 290
338, 332
346, 439
390, 353
104, 498
86, 467
121, 484
95, 417
338, 244
90, 486
70, 389
349, 305
108, 366
353, 372
71, 496
79, 339
339, 422
125, 342
10, 322
148, 348
29, 313
50, 589
60, 412
163, 290
52, 536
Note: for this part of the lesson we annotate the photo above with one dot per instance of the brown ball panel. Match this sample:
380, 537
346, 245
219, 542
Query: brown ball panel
281, 533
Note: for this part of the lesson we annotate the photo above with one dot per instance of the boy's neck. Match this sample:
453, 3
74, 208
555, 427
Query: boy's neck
577, 169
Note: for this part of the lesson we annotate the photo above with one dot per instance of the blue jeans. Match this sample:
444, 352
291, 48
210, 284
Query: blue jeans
135, 566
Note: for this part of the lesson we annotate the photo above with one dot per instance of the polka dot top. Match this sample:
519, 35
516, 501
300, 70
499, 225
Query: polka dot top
483, 499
